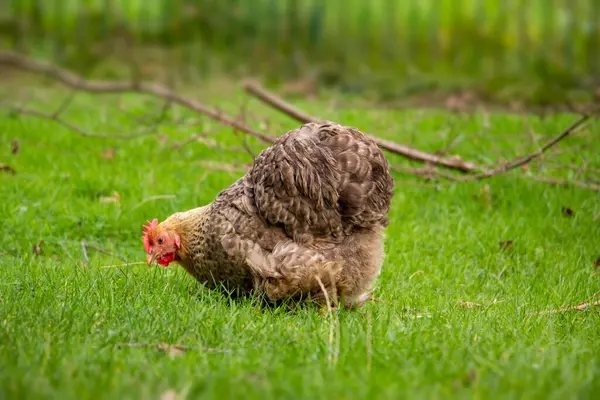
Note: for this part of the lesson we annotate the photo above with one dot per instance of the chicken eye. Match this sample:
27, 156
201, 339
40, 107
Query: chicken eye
160, 241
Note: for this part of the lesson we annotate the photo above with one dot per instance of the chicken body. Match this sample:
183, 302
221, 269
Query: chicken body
307, 220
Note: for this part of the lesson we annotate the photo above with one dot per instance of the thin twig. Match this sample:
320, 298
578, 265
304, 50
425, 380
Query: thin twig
152, 198
74, 128
529, 157
67, 78
101, 250
247, 148
577, 168
242, 118
563, 182
531, 132
65, 103
124, 265
85, 254
453, 142
592, 297
515, 163
396, 148
585, 305
168, 347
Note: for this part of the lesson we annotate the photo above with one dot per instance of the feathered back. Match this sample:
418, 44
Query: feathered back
319, 182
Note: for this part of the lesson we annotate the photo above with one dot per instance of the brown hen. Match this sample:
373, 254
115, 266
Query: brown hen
306, 221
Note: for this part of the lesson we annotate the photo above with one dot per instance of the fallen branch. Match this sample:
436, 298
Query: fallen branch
530, 157
278, 103
170, 348
583, 306
69, 79
407, 152
431, 173
431, 160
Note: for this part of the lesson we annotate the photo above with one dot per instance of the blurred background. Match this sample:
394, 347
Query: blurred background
536, 52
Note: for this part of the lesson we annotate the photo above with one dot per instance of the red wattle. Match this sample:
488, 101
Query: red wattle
166, 259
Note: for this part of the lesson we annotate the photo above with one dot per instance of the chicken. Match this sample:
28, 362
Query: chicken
305, 222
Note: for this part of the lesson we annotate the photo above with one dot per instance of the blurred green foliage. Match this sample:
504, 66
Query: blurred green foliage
394, 47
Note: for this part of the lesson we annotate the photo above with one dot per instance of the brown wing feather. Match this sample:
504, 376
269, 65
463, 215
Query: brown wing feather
319, 182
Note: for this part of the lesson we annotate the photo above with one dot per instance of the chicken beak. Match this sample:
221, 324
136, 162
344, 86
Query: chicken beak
151, 258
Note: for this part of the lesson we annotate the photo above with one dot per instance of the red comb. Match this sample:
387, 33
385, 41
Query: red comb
148, 228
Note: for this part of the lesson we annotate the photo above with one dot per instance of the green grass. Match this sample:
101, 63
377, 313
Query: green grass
62, 320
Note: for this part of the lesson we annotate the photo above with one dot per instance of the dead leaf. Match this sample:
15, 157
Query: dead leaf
505, 244
567, 212
115, 198
169, 395
109, 154
597, 264
8, 168
468, 304
37, 248
14, 146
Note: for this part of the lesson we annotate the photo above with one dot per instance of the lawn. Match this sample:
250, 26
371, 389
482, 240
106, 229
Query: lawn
72, 329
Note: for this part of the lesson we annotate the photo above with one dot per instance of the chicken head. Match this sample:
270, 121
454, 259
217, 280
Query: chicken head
161, 245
